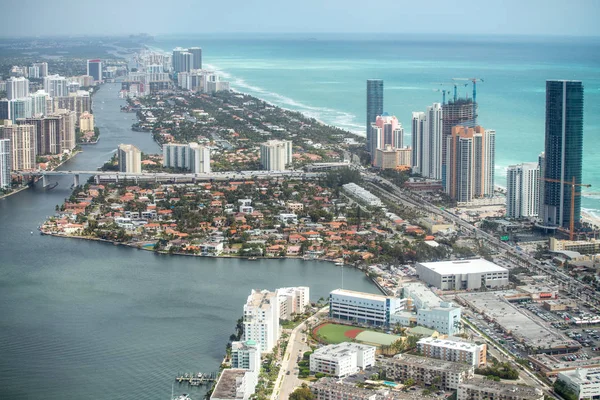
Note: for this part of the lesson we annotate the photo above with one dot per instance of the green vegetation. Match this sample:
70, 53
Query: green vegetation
499, 370
302, 393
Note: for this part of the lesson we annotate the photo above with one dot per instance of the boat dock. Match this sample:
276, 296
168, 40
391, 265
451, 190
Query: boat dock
196, 379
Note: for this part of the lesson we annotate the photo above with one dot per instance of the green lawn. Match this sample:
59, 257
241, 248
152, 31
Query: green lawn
333, 333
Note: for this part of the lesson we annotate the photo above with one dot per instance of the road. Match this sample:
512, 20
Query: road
580, 290
288, 380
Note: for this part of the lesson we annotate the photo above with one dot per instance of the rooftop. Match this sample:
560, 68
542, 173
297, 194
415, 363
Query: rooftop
362, 295
227, 385
450, 344
463, 266
341, 350
430, 363
518, 391
583, 375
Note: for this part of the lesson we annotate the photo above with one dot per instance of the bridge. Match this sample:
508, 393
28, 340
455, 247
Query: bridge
116, 176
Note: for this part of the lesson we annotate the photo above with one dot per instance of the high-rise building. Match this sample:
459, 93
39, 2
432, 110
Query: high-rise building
470, 163
196, 57
33, 72
427, 142
5, 164
43, 68
455, 112
391, 157
374, 105
17, 88
563, 151
130, 159
86, 122
94, 69
191, 156
56, 85
79, 102
261, 319
16, 108
275, 155
386, 131
522, 190
176, 60
22, 145
245, 355
39, 103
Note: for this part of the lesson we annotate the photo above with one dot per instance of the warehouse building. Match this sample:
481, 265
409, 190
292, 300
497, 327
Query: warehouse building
463, 274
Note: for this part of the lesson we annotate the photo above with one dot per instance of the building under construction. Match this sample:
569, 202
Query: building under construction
461, 112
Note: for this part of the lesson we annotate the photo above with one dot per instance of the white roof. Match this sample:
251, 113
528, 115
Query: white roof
362, 295
463, 267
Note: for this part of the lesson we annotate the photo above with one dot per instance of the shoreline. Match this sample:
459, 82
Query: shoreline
166, 253
48, 170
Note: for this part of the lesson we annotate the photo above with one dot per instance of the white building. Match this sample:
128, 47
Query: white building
431, 311
234, 384
584, 382
275, 155
523, 190
362, 194
246, 355
427, 142
261, 319
39, 103
453, 350
56, 86
17, 88
42, 68
489, 390
130, 158
363, 308
5, 164
342, 359
292, 300
462, 274
191, 156
330, 389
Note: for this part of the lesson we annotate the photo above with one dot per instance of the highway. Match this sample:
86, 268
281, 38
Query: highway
578, 289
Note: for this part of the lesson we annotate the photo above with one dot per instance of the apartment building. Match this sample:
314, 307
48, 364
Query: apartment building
342, 359
292, 300
446, 375
332, 389
490, 390
261, 319
453, 350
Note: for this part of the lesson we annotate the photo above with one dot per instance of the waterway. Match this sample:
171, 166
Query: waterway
90, 320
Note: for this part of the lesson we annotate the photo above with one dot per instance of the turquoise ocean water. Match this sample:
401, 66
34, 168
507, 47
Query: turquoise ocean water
325, 76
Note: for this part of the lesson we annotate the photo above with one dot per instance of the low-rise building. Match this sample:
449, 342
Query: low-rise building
584, 382
446, 375
363, 308
453, 350
362, 194
332, 389
490, 390
342, 359
234, 384
462, 274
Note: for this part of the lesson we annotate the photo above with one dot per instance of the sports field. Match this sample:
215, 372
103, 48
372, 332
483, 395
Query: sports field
334, 334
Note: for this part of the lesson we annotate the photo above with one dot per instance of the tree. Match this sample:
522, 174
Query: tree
302, 393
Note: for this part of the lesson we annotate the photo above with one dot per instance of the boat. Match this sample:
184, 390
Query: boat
252, 258
339, 264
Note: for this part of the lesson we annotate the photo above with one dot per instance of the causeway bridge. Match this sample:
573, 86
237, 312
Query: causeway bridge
163, 177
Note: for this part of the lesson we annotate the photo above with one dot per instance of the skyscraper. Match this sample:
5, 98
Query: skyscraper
130, 158
522, 190
56, 85
22, 145
456, 112
275, 155
385, 131
5, 164
94, 69
470, 163
563, 151
176, 60
427, 141
17, 88
196, 57
374, 104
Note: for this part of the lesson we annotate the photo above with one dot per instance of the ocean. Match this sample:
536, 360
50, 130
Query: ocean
324, 76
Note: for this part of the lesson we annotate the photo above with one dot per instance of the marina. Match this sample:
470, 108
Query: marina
196, 379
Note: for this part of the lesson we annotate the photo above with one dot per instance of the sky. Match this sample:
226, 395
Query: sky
115, 17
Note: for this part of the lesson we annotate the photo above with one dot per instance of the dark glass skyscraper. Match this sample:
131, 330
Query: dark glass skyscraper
563, 151
374, 104
196, 57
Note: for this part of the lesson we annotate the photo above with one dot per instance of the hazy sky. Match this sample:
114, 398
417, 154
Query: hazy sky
72, 17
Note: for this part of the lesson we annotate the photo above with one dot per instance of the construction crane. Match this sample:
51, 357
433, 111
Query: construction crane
474, 80
444, 91
573, 194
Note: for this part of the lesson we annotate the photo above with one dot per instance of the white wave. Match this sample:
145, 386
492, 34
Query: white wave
340, 119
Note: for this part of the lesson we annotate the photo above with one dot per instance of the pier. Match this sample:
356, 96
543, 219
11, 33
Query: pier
196, 379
